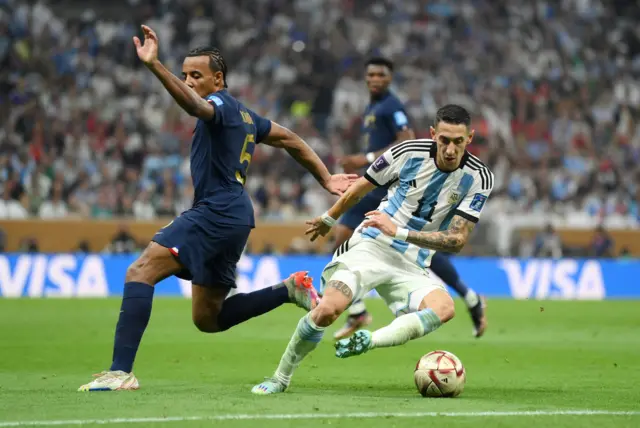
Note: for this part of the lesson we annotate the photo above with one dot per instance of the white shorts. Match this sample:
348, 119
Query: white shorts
367, 265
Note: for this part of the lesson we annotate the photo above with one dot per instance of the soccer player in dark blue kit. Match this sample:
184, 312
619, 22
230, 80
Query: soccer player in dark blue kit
205, 242
385, 124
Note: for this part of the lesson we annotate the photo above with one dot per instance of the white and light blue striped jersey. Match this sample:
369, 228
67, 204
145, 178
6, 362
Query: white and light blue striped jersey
422, 197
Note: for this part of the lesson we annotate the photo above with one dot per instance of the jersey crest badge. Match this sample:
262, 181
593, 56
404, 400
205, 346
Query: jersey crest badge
454, 197
369, 120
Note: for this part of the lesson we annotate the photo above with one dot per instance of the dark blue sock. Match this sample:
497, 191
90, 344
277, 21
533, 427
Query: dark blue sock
442, 266
134, 317
241, 307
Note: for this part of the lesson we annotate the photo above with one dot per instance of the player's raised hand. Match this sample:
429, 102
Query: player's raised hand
147, 50
380, 221
317, 228
339, 183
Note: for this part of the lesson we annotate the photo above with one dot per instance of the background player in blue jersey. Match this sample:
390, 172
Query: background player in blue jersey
205, 242
385, 123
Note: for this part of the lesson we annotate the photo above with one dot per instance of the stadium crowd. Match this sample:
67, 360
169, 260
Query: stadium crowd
87, 131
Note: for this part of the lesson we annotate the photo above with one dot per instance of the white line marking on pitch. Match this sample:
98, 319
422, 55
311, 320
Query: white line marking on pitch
320, 416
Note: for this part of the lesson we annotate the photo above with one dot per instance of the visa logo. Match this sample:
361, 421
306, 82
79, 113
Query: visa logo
554, 279
63, 275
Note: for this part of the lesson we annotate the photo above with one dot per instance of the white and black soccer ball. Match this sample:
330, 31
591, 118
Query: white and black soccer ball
440, 374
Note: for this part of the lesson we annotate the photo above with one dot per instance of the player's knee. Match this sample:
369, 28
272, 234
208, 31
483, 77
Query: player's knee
326, 313
443, 306
445, 309
206, 324
136, 271
154, 264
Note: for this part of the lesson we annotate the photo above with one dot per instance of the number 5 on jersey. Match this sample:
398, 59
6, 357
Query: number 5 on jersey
245, 157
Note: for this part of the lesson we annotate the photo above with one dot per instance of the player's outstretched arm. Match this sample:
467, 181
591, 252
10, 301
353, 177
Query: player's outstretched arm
320, 226
186, 97
354, 162
451, 240
281, 137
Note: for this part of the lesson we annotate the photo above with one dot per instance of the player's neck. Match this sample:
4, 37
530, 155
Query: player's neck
217, 89
378, 96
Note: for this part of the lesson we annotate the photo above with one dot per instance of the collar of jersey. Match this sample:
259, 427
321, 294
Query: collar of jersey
382, 97
221, 91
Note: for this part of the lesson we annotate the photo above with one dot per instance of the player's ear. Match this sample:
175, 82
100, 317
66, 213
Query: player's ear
432, 131
471, 134
218, 78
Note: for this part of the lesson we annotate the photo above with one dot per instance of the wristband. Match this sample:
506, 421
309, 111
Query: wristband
402, 234
328, 220
371, 157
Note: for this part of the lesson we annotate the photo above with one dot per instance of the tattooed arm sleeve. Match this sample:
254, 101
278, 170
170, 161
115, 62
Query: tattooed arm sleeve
451, 240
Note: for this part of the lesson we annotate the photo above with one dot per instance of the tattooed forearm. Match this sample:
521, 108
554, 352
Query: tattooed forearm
451, 240
341, 287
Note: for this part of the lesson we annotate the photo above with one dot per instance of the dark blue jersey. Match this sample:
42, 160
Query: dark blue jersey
221, 152
383, 119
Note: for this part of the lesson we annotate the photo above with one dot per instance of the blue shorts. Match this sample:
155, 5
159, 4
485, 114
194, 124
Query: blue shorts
355, 215
207, 250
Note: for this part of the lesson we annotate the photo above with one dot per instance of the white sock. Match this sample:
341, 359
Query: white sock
405, 328
304, 340
357, 308
471, 298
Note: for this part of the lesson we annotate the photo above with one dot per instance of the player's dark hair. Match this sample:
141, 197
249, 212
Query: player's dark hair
216, 60
453, 114
380, 61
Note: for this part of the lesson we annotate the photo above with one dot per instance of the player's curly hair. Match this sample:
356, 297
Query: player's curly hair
385, 62
216, 60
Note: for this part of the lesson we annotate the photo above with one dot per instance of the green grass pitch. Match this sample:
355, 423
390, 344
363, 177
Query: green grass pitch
547, 356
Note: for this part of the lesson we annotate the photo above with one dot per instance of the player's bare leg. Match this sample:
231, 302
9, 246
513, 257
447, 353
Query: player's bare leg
308, 333
358, 317
153, 265
213, 313
436, 308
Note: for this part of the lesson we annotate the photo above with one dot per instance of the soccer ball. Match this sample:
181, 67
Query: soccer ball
440, 374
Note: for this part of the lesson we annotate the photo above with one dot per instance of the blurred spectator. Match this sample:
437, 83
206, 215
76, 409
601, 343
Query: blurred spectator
548, 244
11, 208
142, 207
123, 242
625, 253
56, 207
602, 244
28, 245
83, 247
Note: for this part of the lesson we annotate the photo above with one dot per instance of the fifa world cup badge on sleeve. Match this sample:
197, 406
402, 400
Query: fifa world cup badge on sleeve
380, 164
478, 202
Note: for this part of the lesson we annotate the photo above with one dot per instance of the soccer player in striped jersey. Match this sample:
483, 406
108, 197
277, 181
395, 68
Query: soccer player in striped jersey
384, 125
437, 191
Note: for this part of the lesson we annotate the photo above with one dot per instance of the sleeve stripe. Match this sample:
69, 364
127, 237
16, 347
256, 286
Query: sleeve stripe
466, 216
410, 150
485, 173
371, 180
413, 143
